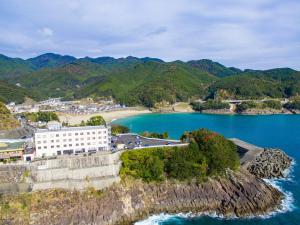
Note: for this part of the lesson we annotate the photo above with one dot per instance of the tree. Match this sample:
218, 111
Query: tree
119, 129
96, 121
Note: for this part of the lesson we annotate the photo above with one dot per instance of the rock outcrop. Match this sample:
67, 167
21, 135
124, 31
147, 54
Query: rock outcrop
237, 194
271, 163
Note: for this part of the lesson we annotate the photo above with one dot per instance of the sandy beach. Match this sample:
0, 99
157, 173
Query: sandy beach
109, 116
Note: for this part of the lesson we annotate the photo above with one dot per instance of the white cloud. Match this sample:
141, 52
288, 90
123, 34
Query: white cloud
242, 33
46, 32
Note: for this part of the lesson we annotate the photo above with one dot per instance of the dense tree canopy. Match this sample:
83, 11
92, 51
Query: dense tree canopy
41, 116
119, 129
139, 81
163, 135
208, 154
96, 121
210, 104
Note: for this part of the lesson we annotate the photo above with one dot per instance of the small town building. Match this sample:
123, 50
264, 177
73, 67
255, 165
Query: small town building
11, 151
57, 140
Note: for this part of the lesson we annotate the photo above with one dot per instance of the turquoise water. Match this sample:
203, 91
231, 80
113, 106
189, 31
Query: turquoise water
281, 131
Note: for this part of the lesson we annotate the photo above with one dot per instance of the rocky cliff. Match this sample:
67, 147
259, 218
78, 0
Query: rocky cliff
271, 163
236, 194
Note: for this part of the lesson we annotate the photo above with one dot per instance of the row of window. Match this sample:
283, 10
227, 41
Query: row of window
69, 145
70, 140
70, 134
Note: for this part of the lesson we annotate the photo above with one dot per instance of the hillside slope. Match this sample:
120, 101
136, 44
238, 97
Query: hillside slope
139, 81
151, 82
12, 93
7, 121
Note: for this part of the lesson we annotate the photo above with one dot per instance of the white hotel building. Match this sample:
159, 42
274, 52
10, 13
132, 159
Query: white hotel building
57, 140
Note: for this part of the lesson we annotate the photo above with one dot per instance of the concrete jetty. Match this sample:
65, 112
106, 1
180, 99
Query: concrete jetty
247, 152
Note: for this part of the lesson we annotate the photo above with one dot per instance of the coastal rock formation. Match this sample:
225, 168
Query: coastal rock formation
271, 163
266, 111
236, 194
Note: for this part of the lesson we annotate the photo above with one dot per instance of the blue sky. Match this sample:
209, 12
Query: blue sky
257, 34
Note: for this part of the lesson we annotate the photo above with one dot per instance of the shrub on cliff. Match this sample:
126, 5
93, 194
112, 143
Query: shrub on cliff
219, 152
146, 164
208, 154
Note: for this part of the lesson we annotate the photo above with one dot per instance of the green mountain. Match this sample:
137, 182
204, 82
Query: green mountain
253, 84
138, 81
62, 81
12, 93
49, 60
13, 67
214, 68
151, 82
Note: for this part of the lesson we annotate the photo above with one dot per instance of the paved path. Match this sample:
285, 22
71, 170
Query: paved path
248, 152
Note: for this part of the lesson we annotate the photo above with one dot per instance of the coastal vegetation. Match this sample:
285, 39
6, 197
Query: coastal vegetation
41, 116
210, 104
139, 81
269, 104
119, 129
293, 105
272, 104
208, 154
163, 135
7, 121
93, 121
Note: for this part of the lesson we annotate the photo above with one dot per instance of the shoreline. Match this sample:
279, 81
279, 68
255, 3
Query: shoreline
111, 116
108, 116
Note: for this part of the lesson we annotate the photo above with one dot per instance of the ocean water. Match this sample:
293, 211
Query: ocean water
278, 131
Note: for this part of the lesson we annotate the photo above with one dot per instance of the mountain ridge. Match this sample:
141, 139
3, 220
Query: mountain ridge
142, 81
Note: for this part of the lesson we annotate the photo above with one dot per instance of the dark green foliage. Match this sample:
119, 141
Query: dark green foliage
273, 104
246, 105
208, 154
276, 83
96, 121
41, 116
140, 81
214, 68
219, 152
210, 104
12, 93
50, 60
293, 105
151, 82
146, 164
119, 129
164, 135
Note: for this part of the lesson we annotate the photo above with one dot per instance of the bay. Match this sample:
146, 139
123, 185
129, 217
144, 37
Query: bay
277, 131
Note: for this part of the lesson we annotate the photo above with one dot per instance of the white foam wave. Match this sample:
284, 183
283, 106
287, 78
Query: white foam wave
287, 204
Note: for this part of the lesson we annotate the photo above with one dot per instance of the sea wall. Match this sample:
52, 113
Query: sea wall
99, 170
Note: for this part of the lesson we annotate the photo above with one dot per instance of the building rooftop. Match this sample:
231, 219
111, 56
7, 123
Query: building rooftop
9, 146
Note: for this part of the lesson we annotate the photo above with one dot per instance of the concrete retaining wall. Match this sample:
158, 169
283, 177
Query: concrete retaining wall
99, 170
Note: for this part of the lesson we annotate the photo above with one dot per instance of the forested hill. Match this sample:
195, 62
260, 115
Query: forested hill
138, 81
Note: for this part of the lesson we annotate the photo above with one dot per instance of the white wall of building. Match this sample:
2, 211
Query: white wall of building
71, 140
